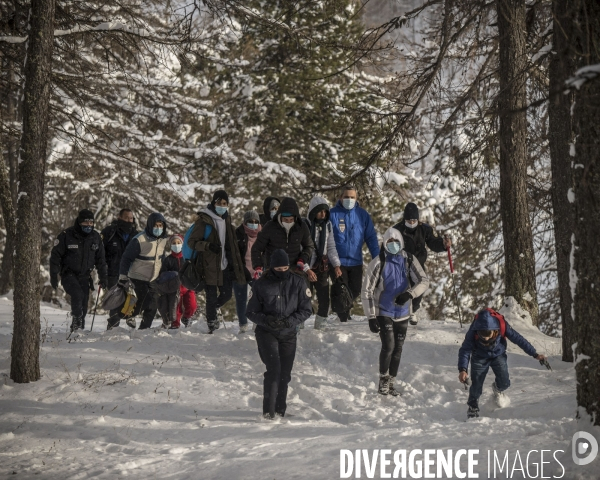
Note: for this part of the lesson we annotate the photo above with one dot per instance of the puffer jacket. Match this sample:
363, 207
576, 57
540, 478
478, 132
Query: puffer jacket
472, 347
285, 299
143, 256
352, 228
324, 228
380, 288
297, 243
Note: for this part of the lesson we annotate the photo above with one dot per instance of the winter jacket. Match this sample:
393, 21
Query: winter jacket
297, 243
75, 253
473, 347
352, 228
285, 299
171, 263
143, 256
266, 216
243, 242
115, 242
325, 228
415, 241
221, 234
400, 274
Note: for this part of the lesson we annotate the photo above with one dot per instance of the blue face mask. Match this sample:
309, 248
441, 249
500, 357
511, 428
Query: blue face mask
176, 247
220, 210
252, 226
157, 231
348, 203
273, 213
393, 247
87, 229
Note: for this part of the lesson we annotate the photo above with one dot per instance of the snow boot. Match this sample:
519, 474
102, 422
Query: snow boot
473, 412
384, 384
502, 400
212, 325
186, 322
320, 323
130, 322
413, 320
76, 324
244, 328
392, 390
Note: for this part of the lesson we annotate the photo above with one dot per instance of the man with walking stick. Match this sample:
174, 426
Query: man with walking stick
417, 235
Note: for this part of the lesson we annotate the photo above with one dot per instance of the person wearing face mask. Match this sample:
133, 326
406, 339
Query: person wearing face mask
115, 238
213, 237
392, 280
352, 227
279, 303
76, 252
416, 236
288, 232
270, 207
141, 263
246, 235
324, 262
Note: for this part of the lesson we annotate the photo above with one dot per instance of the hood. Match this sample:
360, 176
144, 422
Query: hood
267, 204
395, 234
152, 219
485, 321
317, 201
289, 205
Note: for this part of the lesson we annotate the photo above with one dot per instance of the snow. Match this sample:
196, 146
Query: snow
158, 404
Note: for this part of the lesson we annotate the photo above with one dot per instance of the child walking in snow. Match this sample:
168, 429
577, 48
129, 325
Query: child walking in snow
387, 297
485, 345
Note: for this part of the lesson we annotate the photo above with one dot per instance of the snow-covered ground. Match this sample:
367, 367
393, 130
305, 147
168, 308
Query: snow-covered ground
186, 405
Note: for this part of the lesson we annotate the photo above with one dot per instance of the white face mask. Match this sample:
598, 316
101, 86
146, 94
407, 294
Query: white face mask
411, 225
287, 226
273, 212
176, 247
348, 203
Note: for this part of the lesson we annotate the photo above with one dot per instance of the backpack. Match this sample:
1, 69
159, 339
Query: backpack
341, 298
501, 321
191, 273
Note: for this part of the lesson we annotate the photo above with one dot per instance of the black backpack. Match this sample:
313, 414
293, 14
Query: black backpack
341, 298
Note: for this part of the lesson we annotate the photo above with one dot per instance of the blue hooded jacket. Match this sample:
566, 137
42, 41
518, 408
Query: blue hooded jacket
471, 346
352, 228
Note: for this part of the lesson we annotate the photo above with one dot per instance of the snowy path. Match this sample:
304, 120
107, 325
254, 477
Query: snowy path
186, 405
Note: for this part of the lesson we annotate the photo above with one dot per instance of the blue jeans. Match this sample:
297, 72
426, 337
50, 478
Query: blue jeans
479, 369
241, 301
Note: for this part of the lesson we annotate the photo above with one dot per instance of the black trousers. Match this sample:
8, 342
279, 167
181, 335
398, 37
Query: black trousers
78, 289
146, 303
277, 353
321, 287
392, 336
353, 278
216, 296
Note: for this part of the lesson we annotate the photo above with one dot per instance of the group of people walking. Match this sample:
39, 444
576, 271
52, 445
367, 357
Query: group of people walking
284, 257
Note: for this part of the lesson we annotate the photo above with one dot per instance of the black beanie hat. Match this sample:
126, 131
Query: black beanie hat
279, 258
411, 212
84, 215
220, 195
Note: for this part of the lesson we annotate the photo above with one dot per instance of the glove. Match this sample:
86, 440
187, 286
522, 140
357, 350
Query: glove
103, 282
403, 298
257, 273
374, 325
302, 266
214, 248
54, 282
274, 323
123, 279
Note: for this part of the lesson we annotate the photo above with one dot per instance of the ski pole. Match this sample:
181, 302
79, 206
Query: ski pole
454, 286
95, 308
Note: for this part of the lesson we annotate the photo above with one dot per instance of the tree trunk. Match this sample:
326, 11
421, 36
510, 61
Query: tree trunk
586, 175
559, 136
25, 365
519, 260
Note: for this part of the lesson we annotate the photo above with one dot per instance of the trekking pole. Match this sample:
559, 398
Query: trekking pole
95, 308
454, 285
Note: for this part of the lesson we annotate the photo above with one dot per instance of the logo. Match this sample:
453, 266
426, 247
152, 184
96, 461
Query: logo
308, 294
585, 448
342, 226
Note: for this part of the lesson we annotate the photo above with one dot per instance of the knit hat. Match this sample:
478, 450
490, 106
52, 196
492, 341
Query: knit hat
411, 212
279, 258
220, 195
251, 215
84, 215
175, 236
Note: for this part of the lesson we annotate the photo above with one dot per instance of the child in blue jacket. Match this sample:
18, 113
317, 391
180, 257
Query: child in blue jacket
485, 345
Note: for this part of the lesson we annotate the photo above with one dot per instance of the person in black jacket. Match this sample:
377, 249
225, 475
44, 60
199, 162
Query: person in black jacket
416, 235
286, 231
280, 302
270, 207
77, 250
115, 238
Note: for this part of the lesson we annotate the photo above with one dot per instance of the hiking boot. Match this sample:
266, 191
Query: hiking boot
384, 384
502, 400
473, 412
244, 328
165, 325
131, 322
76, 324
267, 416
413, 320
391, 389
212, 325
320, 323
186, 322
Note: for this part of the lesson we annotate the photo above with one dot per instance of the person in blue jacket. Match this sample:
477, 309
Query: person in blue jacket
485, 346
352, 227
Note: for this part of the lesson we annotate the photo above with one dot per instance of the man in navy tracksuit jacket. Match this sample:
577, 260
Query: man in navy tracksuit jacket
485, 345
352, 227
